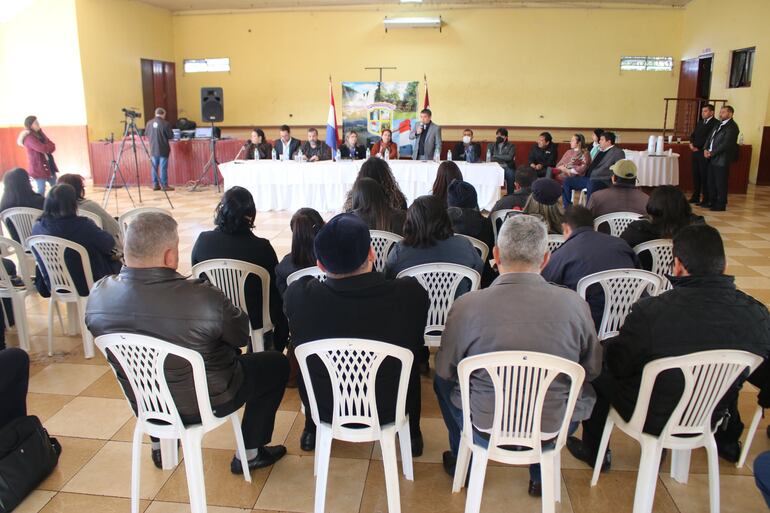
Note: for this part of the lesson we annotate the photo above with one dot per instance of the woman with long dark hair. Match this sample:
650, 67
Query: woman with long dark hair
109, 224
379, 170
447, 172
575, 160
305, 224
668, 212
371, 205
385, 144
257, 146
233, 238
17, 192
40, 148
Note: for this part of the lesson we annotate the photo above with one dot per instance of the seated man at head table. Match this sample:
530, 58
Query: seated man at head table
542, 156
314, 150
286, 146
351, 149
466, 149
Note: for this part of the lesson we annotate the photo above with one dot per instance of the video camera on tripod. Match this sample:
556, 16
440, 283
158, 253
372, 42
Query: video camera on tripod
131, 113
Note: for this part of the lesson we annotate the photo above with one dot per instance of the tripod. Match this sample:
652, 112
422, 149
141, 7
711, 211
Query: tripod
114, 172
212, 164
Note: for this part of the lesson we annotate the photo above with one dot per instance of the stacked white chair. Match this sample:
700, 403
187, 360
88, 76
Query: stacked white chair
383, 242
49, 252
125, 218
230, 277
142, 359
555, 241
17, 294
480, 246
618, 221
622, 288
662, 254
93, 217
314, 271
521, 380
441, 280
352, 365
708, 375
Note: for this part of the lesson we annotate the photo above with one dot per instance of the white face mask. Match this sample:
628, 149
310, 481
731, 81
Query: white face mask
466, 139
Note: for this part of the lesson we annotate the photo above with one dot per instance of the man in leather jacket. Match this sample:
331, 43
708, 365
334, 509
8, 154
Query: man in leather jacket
151, 298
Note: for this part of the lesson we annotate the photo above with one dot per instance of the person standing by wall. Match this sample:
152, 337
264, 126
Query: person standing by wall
721, 151
158, 131
699, 163
42, 167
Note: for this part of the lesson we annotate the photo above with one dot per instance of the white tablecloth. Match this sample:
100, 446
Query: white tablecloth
323, 186
655, 170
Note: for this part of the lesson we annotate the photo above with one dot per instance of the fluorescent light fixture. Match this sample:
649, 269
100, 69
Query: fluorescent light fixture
418, 22
411, 1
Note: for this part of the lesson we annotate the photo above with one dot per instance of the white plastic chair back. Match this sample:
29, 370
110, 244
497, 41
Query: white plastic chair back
498, 218
230, 276
662, 253
125, 218
622, 288
441, 280
17, 295
618, 221
383, 242
555, 240
314, 271
22, 219
93, 217
480, 246
49, 252
14, 251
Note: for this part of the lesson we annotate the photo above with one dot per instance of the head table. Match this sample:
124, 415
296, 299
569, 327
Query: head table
291, 185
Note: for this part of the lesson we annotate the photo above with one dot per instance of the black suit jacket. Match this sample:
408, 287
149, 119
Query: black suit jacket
293, 147
458, 152
724, 149
360, 152
702, 132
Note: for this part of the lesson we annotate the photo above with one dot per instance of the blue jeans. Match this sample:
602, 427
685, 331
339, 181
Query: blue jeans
40, 182
762, 475
510, 179
163, 163
578, 183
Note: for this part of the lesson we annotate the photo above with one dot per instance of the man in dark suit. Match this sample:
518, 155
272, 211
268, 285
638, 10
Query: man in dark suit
466, 149
286, 147
698, 140
426, 137
721, 151
355, 302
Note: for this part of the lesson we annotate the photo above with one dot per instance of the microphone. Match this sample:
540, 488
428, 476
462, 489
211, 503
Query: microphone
246, 144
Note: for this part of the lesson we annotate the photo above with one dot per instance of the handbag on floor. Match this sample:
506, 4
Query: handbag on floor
27, 456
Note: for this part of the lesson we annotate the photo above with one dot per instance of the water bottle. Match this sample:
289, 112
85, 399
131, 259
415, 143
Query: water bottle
437, 156
489, 154
449, 155
338, 156
274, 155
387, 154
299, 155
740, 138
368, 153
256, 153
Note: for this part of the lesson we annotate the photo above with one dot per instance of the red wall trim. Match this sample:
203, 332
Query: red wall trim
71, 148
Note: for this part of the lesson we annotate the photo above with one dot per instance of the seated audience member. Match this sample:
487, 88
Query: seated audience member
622, 196
598, 173
544, 202
14, 381
575, 161
314, 150
371, 205
60, 219
428, 238
466, 149
351, 149
379, 170
109, 224
516, 200
668, 212
257, 146
305, 224
233, 238
762, 475
286, 146
385, 144
446, 173
195, 315
595, 147
542, 156
544, 318
504, 153
703, 312
467, 220
17, 192
585, 252
355, 302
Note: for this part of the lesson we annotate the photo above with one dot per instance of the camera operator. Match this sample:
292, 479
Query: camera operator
158, 131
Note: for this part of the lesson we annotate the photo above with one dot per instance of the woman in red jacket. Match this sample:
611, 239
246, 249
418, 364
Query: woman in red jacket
39, 153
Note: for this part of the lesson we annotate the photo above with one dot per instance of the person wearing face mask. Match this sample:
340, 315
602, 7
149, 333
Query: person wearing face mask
426, 137
504, 153
467, 150
385, 143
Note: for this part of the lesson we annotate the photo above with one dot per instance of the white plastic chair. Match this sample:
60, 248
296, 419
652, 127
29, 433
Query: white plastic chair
480, 246
49, 252
662, 253
618, 221
583, 198
230, 276
441, 281
708, 375
17, 294
93, 217
314, 271
22, 219
125, 218
622, 288
383, 242
555, 240
352, 365
141, 358
498, 218
749, 437
521, 380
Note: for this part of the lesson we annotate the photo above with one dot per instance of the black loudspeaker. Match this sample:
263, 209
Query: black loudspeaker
212, 105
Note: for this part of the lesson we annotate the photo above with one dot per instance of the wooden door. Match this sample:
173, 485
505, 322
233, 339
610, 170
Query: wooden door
159, 88
687, 111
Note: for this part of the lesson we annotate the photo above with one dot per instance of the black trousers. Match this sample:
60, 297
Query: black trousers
14, 380
717, 181
700, 176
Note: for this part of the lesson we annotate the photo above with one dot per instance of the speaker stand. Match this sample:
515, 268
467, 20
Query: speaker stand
212, 164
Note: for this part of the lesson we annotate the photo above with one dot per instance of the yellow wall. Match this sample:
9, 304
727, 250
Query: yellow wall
114, 36
720, 27
40, 63
524, 67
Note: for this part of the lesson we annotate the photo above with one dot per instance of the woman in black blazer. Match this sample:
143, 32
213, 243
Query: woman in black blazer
305, 224
233, 238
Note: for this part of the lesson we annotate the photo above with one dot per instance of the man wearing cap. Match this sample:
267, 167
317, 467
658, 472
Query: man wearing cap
356, 302
622, 196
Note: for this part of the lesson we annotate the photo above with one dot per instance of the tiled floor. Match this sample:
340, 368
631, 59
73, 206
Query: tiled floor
80, 403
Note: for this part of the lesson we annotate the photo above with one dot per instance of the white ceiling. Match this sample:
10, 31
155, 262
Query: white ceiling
196, 5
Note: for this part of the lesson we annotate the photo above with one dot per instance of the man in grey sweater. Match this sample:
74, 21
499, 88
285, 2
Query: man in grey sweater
519, 311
